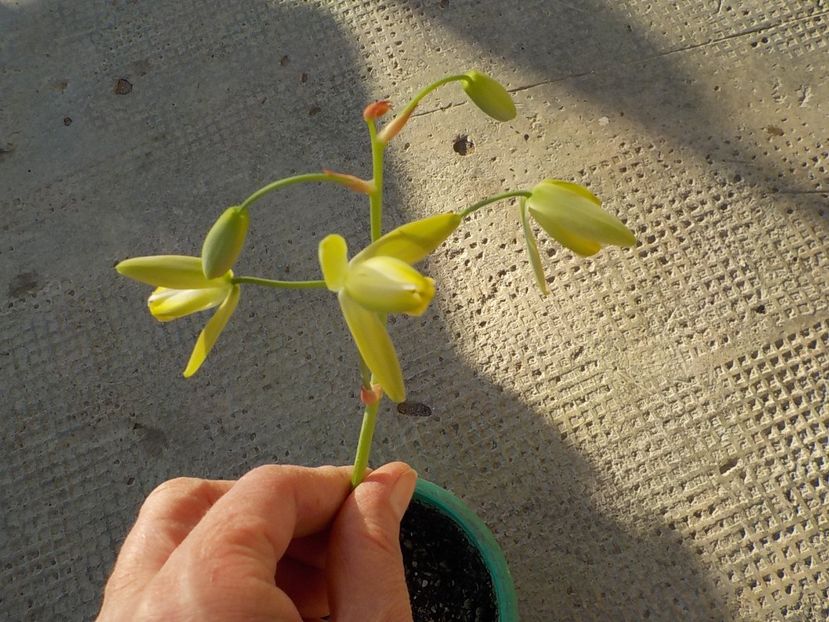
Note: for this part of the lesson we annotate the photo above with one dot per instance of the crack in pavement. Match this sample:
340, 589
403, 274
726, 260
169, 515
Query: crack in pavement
712, 42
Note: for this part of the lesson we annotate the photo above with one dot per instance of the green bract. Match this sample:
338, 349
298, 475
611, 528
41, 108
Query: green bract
224, 241
182, 289
532, 248
488, 95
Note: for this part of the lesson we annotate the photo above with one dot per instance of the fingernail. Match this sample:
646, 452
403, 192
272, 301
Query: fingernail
402, 492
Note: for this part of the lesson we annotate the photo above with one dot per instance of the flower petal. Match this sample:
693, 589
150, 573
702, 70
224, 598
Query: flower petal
532, 248
374, 345
170, 304
389, 285
572, 187
173, 271
412, 241
333, 256
488, 95
577, 244
224, 242
572, 210
212, 330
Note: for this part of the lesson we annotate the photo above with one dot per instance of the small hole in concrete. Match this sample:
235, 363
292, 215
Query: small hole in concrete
122, 87
414, 409
463, 145
728, 465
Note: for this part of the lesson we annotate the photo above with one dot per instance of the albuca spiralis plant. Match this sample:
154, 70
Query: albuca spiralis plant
381, 278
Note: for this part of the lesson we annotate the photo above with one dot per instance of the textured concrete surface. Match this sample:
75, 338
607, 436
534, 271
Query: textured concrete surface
649, 442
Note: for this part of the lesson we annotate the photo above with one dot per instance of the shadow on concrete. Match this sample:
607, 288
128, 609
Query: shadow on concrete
201, 126
597, 50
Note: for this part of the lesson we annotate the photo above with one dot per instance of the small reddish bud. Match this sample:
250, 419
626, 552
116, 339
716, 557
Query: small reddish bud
377, 109
394, 126
371, 396
350, 181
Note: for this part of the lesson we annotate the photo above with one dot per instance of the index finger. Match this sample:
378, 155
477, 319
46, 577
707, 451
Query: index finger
247, 531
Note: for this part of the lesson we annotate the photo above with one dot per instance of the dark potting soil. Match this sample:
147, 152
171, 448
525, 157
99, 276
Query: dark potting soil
446, 576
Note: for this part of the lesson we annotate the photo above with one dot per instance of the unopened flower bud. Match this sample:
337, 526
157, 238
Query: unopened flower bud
350, 181
224, 241
377, 109
488, 95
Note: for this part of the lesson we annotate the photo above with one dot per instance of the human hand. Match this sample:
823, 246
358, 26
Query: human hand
283, 543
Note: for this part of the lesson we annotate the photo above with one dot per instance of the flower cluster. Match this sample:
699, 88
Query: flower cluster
381, 278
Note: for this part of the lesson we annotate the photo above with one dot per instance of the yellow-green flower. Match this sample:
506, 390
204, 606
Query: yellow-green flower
380, 279
182, 289
573, 215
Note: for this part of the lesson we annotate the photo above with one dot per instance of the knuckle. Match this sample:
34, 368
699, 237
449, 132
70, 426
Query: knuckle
176, 487
273, 472
274, 479
242, 532
174, 491
267, 471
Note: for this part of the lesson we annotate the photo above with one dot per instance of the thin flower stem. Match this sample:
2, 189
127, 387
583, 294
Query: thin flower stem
289, 181
434, 86
498, 197
376, 196
376, 205
395, 125
255, 280
364, 444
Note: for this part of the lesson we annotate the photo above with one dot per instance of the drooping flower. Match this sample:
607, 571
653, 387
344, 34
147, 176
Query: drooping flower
380, 279
182, 289
573, 215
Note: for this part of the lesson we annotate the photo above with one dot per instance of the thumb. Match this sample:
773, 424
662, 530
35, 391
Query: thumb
366, 582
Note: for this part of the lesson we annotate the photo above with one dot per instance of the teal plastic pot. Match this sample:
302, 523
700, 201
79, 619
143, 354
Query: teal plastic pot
480, 537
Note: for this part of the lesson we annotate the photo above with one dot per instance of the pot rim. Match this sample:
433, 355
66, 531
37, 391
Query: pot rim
480, 537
